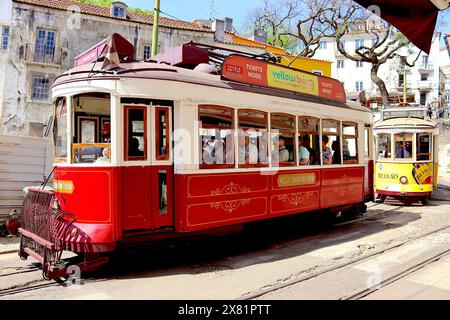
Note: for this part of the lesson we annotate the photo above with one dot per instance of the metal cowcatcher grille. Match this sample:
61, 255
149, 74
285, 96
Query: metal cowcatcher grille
43, 230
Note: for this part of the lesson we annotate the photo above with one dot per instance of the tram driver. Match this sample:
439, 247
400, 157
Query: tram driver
402, 151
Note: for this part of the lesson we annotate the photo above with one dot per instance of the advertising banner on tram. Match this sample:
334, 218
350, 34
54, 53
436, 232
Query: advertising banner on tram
389, 177
262, 73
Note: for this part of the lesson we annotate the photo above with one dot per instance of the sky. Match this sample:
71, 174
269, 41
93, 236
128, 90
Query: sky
238, 10
190, 10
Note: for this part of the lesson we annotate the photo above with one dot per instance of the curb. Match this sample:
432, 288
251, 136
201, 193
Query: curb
8, 251
443, 187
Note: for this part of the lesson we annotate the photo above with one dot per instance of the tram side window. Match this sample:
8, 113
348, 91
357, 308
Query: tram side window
216, 137
162, 134
423, 145
384, 146
252, 138
60, 130
349, 142
135, 133
308, 130
367, 138
403, 145
282, 137
331, 143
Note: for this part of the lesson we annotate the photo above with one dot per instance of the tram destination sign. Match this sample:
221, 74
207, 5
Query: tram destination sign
261, 73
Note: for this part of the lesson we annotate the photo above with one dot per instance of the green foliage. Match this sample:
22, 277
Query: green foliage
108, 3
103, 3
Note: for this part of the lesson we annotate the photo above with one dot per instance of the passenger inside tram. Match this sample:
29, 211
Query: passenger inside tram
133, 150
335, 147
248, 151
304, 153
327, 153
213, 151
282, 154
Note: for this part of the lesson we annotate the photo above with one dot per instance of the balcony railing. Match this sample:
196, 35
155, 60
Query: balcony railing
425, 85
47, 55
426, 66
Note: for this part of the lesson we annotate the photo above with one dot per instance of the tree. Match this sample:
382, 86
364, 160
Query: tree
309, 22
385, 45
299, 26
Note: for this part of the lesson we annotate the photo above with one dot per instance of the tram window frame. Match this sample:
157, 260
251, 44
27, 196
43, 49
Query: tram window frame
160, 130
367, 137
60, 118
418, 146
265, 133
349, 124
128, 132
404, 141
313, 136
388, 149
289, 133
229, 162
338, 136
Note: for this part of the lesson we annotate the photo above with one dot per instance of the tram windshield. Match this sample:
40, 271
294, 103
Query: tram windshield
384, 146
403, 145
60, 130
92, 128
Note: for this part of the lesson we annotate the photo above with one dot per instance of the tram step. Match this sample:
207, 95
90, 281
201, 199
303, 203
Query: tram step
406, 201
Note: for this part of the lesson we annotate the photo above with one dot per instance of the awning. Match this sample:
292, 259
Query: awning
416, 19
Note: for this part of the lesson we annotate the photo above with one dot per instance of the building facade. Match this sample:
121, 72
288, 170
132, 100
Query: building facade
422, 80
42, 39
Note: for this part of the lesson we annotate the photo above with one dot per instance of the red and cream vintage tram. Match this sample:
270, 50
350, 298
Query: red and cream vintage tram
145, 151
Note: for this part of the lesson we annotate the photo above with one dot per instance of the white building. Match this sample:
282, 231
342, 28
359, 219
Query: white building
422, 80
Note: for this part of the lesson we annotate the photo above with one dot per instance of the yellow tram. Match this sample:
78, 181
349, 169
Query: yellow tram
406, 156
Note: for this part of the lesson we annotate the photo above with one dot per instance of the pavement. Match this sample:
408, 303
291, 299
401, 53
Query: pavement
9, 244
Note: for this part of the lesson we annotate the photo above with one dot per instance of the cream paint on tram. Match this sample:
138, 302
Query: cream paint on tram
187, 97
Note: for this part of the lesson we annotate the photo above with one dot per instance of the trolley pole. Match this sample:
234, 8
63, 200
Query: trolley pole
404, 86
155, 28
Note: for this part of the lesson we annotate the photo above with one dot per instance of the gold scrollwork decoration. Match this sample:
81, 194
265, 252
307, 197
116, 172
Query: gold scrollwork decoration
295, 198
231, 188
231, 205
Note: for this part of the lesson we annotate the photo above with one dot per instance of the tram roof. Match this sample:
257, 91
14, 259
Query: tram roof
404, 122
160, 71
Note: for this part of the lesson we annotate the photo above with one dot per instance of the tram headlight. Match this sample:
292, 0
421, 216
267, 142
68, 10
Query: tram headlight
403, 180
73, 232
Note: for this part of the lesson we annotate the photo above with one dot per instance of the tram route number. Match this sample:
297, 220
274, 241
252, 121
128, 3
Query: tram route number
225, 310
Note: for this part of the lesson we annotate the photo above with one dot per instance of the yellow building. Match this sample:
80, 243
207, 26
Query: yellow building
306, 64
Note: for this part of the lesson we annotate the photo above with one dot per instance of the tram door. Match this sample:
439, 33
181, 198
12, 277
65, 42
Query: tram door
147, 174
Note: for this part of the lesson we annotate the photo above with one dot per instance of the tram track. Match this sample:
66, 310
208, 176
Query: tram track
363, 293
311, 275
18, 270
25, 287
